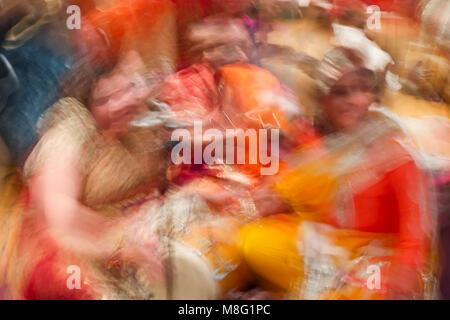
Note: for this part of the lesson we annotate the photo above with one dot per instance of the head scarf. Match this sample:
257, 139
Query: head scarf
335, 64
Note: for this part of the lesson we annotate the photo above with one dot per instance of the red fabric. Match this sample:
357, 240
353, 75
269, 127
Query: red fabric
192, 89
399, 6
339, 6
405, 7
385, 5
48, 281
393, 206
45, 272
187, 8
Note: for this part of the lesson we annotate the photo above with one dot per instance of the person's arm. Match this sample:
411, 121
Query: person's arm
55, 189
409, 186
55, 192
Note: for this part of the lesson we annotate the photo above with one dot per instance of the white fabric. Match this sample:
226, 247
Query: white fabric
354, 38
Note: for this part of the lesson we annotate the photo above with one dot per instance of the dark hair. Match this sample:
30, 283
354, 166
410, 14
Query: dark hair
81, 80
254, 11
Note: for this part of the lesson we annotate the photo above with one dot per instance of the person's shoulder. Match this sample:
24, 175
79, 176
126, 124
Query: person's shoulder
64, 130
386, 117
66, 110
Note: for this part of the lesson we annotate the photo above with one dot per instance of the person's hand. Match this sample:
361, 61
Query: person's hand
215, 194
148, 256
268, 203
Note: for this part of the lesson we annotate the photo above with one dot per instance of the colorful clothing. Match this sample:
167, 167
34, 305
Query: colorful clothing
118, 177
359, 200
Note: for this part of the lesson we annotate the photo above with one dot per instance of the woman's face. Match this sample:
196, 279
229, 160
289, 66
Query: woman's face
116, 102
349, 99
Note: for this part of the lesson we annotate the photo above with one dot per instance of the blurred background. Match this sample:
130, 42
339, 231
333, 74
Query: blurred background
138, 69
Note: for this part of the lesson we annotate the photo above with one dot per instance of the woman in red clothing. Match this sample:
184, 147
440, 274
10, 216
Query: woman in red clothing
361, 223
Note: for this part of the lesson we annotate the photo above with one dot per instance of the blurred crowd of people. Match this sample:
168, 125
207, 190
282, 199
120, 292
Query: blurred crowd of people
93, 204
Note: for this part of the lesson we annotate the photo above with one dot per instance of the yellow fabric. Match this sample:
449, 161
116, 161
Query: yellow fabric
308, 188
10, 217
218, 243
269, 248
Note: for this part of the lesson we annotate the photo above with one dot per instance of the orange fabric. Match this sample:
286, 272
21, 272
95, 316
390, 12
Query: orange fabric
246, 87
126, 18
247, 84
195, 89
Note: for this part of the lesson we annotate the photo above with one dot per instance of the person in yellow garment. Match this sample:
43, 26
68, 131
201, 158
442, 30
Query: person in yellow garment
360, 225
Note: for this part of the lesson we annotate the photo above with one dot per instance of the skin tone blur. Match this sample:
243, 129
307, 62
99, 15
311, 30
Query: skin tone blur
116, 102
349, 101
57, 186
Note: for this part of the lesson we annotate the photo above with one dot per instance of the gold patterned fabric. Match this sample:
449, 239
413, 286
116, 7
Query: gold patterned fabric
118, 176
115, 172
10, 218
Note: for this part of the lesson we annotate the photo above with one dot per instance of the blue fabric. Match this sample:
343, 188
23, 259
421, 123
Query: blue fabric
40, 70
